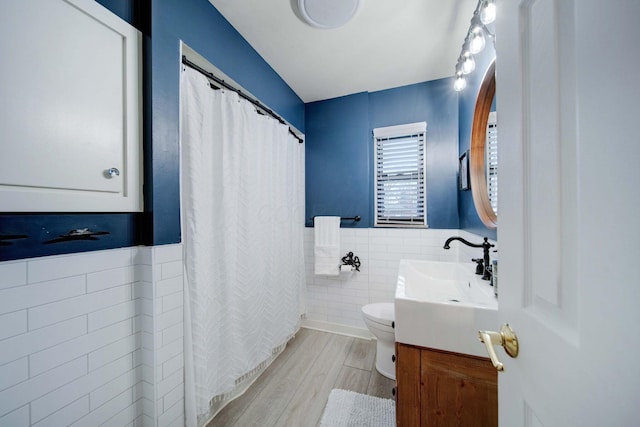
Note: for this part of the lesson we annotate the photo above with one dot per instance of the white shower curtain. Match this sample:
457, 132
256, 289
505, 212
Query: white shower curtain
243, 219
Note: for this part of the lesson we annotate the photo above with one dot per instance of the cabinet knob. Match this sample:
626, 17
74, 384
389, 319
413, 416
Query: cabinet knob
393, 392
393, 358
110, 173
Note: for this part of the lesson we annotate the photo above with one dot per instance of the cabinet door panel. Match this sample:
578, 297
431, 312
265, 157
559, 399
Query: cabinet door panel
71, 102
458, 390
407, 385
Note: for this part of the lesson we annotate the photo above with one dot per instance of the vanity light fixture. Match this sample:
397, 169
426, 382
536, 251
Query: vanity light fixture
475, 41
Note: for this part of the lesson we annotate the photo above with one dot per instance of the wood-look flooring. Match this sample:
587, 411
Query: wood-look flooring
293, 391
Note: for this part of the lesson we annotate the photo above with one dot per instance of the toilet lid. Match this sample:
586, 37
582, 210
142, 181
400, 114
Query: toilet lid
383, 312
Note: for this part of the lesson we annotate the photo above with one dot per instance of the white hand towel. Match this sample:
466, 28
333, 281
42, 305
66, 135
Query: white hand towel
327, 245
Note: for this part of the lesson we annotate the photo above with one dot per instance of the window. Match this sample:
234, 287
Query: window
400, 193
492, 160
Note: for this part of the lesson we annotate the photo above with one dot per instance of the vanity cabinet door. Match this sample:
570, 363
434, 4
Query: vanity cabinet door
71, 102
439, 388
458, 390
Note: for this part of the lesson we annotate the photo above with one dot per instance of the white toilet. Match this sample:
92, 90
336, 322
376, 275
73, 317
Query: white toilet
380, 318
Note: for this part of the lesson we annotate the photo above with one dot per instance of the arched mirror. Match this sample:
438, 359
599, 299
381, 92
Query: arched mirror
483, 161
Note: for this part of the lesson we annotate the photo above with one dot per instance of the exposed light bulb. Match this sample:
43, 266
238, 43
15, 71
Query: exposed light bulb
476, 41
488, 12
460, 82
465, 49
468, 64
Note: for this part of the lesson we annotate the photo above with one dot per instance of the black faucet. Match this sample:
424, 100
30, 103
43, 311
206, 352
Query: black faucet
485, 247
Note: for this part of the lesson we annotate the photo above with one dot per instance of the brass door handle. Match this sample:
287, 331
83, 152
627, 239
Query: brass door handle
506, 338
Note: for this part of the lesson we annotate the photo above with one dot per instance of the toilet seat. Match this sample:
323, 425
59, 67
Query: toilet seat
383, 313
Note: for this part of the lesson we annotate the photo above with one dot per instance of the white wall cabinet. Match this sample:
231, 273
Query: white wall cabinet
70, 108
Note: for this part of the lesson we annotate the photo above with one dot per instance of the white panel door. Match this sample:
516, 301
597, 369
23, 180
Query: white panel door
568, 100
70, 92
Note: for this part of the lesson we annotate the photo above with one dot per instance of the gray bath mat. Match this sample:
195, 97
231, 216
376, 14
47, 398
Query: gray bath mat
350, 409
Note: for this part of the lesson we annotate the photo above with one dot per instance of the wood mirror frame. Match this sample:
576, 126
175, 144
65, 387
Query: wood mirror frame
478, 140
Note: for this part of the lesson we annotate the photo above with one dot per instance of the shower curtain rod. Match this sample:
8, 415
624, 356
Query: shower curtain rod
261, 107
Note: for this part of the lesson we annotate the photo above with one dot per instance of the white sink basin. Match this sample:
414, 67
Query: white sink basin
442, 305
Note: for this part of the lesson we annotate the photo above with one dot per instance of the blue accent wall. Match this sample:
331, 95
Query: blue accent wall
340, 157
43, 232
337, 159
163, 23
469, 219
125, 9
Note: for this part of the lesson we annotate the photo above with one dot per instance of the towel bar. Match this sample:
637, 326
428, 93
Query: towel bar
353, 218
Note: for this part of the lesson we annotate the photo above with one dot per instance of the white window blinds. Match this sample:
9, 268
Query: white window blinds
492, 160
400, 190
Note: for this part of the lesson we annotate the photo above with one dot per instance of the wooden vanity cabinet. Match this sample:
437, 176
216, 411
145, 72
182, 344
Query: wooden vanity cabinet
440, 388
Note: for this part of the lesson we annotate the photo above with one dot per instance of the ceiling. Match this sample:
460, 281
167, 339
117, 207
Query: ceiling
389, 43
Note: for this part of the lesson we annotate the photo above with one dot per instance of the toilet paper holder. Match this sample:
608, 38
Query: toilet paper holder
350, 259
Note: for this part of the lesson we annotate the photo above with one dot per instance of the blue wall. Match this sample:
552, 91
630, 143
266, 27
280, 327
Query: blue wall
337, 159
339, 150
125, 9
469, 219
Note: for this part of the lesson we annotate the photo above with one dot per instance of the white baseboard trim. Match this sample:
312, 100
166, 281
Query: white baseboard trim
336, 328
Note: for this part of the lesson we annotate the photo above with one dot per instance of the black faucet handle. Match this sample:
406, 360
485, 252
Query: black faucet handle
486, 244
479, 265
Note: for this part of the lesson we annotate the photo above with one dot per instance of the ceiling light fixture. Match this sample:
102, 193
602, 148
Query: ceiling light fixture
328, 13
475, 41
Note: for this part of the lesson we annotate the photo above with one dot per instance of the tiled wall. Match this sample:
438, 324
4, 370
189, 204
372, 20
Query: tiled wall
86, 339
335, 302
162, 335
97, 338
